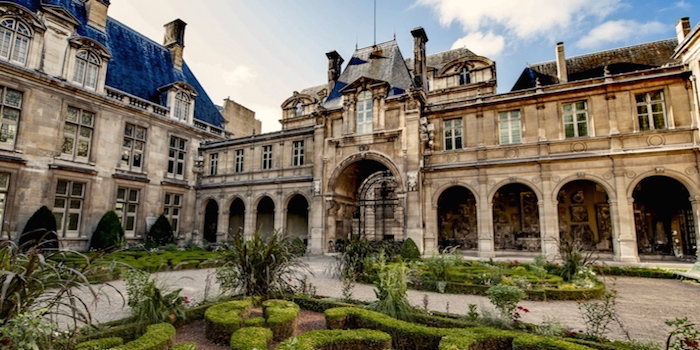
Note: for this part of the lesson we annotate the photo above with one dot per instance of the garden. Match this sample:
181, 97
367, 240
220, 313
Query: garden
266, 301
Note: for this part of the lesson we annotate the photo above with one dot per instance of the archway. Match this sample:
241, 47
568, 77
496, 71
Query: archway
298, 218
236, 218
516, 219
265, 218
211, 218
663, 218
584, 215
457, 219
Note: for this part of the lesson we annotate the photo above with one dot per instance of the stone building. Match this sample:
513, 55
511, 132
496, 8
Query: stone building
601, 147
96, 117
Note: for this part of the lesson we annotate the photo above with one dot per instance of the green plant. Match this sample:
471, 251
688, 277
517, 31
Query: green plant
348, 281
550, 327
250, 338
472, 315
409, 250
184, 346
281, 317
599, 314
358, 252
574, 259
505, 298
109, 232
100, 344
339, 340
151, 303
157, 337
161, 233
26, 331
683, 336
223, 319
298, 246
260, 266
40, 230
391, 287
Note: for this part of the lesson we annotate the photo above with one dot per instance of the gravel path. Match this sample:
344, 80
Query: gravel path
643, 304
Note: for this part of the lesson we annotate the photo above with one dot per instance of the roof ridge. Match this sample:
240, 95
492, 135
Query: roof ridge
372, 46
602, 51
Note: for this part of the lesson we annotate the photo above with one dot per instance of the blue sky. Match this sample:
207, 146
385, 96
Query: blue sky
260, 52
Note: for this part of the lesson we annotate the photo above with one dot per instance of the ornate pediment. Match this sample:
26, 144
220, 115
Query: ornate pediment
82, 42
9, 9
61, 13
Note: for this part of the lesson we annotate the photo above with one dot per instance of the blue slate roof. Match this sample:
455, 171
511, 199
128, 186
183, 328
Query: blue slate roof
139, 65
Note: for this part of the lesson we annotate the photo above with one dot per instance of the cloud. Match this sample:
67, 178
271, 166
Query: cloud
488, 44
618, 31
521, 18
238, 76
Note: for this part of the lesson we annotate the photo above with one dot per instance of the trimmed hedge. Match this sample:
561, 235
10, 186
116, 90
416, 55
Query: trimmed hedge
157, 337
109, 232
532, 294
100, 344
250, 338
223, 319
254, 322
281, 316
533, 342
365, 339
184, 346
409, 250
318, 305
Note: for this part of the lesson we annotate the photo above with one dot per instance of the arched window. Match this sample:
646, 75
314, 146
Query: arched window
87, 66
364, 112
182, 106
464, 76
14, 41
299, 109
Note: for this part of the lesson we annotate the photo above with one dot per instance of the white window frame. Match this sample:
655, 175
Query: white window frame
15, 41
510, 127
69, 204
453, 132
238, 160
87, 69
571, 113
133, 147
172, 209
267, 157
79, 127
182, 105
213, 163
645, 110
10, 113
364, 112
131, 205
298, 153
177, 155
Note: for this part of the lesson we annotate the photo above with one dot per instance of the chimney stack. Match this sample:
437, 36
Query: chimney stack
97, 13
334, 64
175, 41
420, 68
682, 28
562, 73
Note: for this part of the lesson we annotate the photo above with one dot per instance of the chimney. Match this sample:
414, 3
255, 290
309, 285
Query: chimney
175, 41
97, 13
334, 64
420, 69
562, 74
682, 28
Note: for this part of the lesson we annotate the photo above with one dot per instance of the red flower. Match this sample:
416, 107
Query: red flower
187, 300
6, 341
526, 310
520, 307
516, 262
517, 314
691, 344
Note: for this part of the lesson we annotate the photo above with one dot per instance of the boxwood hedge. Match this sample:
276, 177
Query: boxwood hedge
250, 338
281, 316
365, 339
223, 319
100, 344
157, 337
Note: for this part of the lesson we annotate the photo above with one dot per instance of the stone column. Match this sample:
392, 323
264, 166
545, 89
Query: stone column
221, 225
694, 203
623, 217
485, 221
280, 209
549, 219
250, 223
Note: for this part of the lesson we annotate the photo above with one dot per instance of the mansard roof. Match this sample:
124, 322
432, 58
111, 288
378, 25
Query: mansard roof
622, 60
382, 62
139, 65
440, 59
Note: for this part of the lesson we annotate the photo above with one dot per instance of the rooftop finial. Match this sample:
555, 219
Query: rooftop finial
375, 22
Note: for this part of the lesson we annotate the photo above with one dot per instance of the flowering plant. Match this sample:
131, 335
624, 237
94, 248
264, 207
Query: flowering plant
684, 336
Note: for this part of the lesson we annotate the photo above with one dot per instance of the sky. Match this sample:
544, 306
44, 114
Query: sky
259, 52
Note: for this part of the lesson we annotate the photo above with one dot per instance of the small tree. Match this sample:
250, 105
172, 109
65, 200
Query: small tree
40, 230
161, 233
409, 250
109, 232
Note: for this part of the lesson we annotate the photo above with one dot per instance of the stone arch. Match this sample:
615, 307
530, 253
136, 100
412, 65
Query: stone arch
516, 216
501, 184
457, 218
265, 215
211, 219
369, 155
296, 221
584, 214
442, 188
256, 202
682, 178
294, 193
609, 189
236, 216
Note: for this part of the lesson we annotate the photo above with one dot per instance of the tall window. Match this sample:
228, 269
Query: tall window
176, 157
238, 160
510, 127
14, 41
364, 112
453, 134
87, 65
127, 208
298, 153
10, 106
267, 157
77, 133
172, 206
464, 78
213, 163
133, 147
68, 207
4, 187
575, 119
651, 111
182, 106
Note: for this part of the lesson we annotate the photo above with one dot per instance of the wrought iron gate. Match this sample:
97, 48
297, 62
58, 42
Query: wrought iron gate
375, 216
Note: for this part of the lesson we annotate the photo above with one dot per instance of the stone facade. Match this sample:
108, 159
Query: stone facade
239, 120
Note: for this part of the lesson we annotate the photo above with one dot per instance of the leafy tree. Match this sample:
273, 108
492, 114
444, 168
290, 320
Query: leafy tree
109, 232
409, 250
161, 233
40, 230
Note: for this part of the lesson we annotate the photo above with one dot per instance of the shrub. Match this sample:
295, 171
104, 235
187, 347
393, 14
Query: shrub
161, 233
184, 346
100, 344
409, 250
281, 317
574, 259
151, 303
505, 299
157, 337
254, 322
683, 336
391, 287
339, 340
40, 230
109, 232
251, 338
26, 331
355, 252
298, 246
223, 319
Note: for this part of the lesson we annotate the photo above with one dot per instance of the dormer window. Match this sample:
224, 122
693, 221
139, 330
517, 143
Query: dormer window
182, 106
364, 112
464, 76
87, 67
14, 41
299, 109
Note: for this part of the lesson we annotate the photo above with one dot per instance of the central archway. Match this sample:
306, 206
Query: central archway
211, 217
